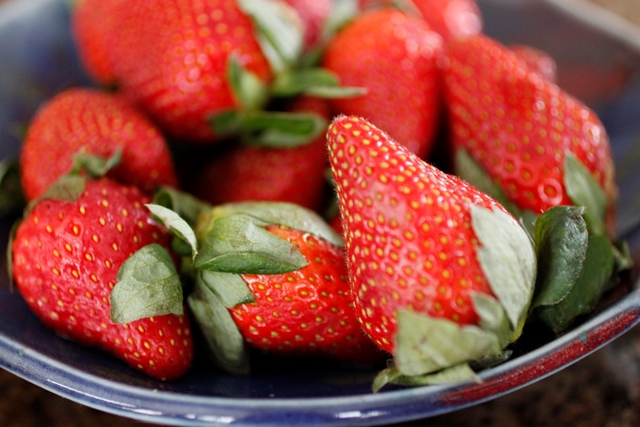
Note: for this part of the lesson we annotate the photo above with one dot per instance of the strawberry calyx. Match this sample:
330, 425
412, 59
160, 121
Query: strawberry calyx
431, 350
567, 239
147, 285
279, 32
225, 242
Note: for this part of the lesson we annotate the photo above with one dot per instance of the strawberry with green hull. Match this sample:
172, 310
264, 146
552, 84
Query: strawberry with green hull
253, 172
269, 276
68, 257
96, 123
393, 56
176, 62
522, 139
436, 266
521, 128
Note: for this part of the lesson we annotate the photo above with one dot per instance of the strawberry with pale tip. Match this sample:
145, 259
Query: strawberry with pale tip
79, 258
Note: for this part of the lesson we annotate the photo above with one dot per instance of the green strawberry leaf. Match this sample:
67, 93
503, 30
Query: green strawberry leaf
240, 244
584, 190
94, 165
508, 260
225, 345
425, 345
280, 32
318, 82
471, 171
229, 287
295, 83
457, 374
278, 213
250, 92
12, 199
281, 129
184, 204
592, 282
176, 224
493, 318
226, 123
67, 188
147, 285
561, 240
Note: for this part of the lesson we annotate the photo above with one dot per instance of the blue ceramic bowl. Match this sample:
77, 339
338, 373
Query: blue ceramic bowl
37, 59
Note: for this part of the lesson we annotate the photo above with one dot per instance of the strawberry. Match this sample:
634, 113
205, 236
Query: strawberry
521, 128
172, 57
252, 172
307, 311
67, 258
92, 22
314, 14
392, 55
452, 19
537, 60
271, 276
427, 254
518, 136
99, 123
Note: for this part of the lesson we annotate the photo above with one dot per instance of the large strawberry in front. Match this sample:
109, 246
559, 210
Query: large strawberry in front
67, 258
441, 274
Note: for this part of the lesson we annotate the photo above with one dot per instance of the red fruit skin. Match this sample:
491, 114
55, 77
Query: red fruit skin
407, 229
537, 60
313, 14
252, 173
308, 312
100, 123
171, 58
519, 126
92, 22
452, 19
392, 55
65, 260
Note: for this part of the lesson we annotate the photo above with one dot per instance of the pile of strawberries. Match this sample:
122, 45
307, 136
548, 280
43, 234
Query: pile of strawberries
188, 190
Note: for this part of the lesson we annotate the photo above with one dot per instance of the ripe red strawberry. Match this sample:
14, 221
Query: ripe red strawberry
308, 311
314, 14
172, 58
92, 22
537, 60
417, 243
286, 174
66, 257
273, 276
520, 127
99, 123
452, 19
393, 56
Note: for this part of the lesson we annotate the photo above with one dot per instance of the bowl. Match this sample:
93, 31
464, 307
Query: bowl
595, 63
